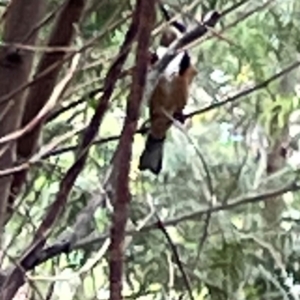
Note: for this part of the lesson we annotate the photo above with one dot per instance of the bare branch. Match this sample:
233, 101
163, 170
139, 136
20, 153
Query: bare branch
250, 198
15, 277
234, 98
187, 38
186, 280
246, 92
143, 18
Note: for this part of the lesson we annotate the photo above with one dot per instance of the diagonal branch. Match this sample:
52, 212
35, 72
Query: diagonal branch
251, 198
15, 277
196, 33
234, 98
185, 277
247, 91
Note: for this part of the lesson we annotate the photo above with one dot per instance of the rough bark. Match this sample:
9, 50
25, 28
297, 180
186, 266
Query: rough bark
280, 133
15, 67
277, 152
276, 160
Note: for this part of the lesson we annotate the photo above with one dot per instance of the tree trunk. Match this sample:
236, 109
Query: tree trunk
15, 66
61, 36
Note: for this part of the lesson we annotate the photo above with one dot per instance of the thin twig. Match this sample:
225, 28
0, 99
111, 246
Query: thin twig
185, 278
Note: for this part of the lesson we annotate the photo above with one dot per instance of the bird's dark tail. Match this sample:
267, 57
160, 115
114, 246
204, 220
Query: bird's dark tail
152, 157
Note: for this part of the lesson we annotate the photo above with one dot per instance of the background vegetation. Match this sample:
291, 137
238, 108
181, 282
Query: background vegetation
222, 219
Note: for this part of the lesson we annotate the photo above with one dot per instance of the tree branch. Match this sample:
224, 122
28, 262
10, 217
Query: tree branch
247, 91
15, 277
251, 198
143, 18
234, 98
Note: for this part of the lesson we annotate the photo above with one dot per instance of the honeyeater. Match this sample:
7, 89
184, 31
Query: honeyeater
170, 95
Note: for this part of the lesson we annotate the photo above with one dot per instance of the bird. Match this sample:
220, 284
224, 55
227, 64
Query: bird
170, 96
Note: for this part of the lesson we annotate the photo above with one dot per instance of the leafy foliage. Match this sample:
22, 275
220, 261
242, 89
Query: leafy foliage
218, 158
